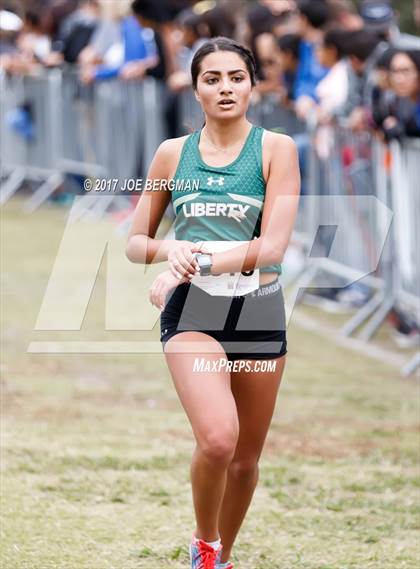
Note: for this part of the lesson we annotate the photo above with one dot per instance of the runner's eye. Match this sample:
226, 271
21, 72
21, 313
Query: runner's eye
211, 80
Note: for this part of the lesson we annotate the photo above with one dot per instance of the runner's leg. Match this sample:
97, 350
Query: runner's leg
255, 395
211, 409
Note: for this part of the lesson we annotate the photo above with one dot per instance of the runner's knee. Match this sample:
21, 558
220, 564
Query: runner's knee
243, 468
219, 445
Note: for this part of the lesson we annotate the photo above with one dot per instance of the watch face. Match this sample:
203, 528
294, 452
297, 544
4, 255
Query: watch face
204, 262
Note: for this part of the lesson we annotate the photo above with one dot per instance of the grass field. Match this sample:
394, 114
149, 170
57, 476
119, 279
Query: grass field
96, 447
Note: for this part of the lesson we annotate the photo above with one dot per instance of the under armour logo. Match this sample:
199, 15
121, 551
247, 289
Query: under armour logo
220, 180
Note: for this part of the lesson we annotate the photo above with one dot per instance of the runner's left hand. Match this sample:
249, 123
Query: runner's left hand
162, 284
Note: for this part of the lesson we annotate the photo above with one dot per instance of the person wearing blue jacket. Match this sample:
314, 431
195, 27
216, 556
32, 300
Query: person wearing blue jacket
313, 16
139, 53
139, 46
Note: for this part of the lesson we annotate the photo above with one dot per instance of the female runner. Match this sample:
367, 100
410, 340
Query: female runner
247, 191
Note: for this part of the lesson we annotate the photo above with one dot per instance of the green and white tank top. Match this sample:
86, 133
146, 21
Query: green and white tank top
213, 203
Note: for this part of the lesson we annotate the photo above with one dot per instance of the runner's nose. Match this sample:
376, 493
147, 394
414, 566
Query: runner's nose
225, 87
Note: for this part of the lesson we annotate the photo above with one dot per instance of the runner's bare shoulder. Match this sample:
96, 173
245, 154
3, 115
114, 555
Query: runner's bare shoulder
169, 153
278, 141
276, 145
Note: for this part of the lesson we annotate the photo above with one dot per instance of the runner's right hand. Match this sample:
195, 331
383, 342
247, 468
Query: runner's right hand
180, 258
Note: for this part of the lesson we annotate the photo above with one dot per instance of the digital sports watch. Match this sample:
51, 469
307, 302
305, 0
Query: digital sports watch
205, 263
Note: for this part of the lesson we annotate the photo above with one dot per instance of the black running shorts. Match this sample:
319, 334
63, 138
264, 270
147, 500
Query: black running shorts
251, 326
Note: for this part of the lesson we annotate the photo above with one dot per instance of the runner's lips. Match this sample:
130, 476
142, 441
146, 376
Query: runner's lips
224, 102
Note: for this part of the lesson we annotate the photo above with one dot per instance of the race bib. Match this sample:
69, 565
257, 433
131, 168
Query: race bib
227, 284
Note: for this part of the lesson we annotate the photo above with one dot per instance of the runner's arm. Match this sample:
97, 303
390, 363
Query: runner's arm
279, 214
142, 247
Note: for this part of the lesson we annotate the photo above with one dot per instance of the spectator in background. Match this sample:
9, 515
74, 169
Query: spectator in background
132, 52
382, 94
175, 7
287, 23
401, 116
259, 22
331, 94
361, 45
107, 45
220, 22
270, 69
152, 16
262, 42
76, 30
288, 45
30, 46
10, 26
313, 16
156, 17
279, 7
54, 14
332, 90
379, 17
193, 33
33, 42
343, 14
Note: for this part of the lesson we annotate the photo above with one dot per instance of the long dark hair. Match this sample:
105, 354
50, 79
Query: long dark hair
222, 44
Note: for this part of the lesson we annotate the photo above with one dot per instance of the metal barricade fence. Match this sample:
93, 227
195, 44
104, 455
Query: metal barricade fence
405, 176
349, 173
31, 144
30, 111
341, 182
109, 130
81, 140
405, 183
373, 313
348, 164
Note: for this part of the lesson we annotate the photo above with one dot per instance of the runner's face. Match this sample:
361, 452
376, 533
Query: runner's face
223, 85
